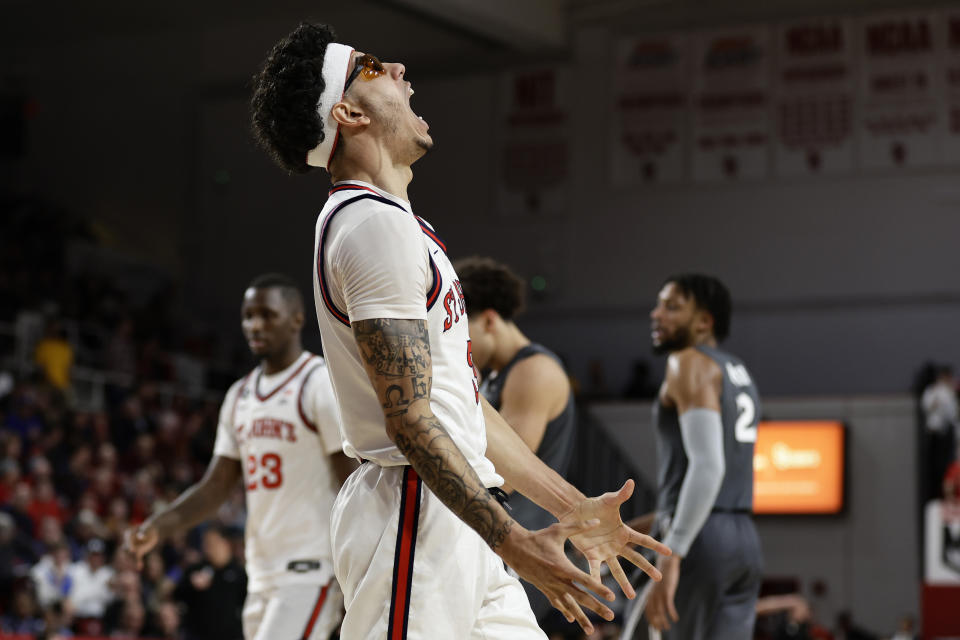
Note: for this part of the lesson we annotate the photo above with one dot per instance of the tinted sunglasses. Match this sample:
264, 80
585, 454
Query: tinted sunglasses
368, 67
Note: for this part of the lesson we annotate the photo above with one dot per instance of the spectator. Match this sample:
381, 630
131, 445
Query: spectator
157, 587
51, 576
45, 504
166, 625
9, 477
218, 583
19, 508
57, 621
125, 587
906, 630
54, 355
23, 616
942, 415
132, 620
15, 557
91, 582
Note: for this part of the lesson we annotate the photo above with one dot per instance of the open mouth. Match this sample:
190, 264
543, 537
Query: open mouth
410, 93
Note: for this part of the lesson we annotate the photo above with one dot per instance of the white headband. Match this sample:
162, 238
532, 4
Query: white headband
336, 66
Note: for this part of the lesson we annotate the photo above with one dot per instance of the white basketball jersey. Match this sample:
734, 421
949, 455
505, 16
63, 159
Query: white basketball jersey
375, 259
282, 428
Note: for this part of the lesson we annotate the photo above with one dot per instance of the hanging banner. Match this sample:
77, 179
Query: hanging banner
534, 162
731, 104
814, 87
649, 127
901, 122
942, 543
951, 78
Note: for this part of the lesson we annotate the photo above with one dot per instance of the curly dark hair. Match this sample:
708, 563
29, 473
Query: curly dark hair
285, 95
487, 284
709, 294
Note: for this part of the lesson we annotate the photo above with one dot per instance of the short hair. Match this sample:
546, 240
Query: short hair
288, 288
487, 284
286, 91
710, 295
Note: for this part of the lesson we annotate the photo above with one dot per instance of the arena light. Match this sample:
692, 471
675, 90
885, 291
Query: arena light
798, 468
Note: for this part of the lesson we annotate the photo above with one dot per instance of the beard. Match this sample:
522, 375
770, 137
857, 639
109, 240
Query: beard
678, 340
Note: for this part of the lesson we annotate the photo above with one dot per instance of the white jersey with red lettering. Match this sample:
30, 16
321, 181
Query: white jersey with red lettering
283, 428
375, 259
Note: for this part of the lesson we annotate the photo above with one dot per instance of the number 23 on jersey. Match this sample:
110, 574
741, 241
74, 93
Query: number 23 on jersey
265, 471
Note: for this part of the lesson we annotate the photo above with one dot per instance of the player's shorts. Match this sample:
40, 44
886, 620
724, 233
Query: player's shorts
294, 612
410, 569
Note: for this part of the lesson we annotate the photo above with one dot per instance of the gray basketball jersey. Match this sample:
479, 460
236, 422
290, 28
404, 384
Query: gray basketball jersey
555, 449
740, 411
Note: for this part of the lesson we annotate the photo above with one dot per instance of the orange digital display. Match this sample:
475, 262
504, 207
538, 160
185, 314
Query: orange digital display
798, 467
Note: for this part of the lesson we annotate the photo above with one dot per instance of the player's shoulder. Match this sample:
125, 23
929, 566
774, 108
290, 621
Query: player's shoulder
690, 357
538, 369
691, 364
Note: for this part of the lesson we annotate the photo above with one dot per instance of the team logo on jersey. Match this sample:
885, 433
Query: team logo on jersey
455, 305
272, 428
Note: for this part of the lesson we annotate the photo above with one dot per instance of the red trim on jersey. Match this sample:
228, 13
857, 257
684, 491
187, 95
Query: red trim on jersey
256, 386
403, 557
303, 414
434, 294
431, 233
316, 612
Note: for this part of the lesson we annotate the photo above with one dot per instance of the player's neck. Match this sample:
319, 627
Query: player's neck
275, 364
706, 340
509, 343
375, 166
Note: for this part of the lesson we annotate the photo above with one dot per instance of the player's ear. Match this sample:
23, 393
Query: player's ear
298, 320
703, 321
490, 319
349, 114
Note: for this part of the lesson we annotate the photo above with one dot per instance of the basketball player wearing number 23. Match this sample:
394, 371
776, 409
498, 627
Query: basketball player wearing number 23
706, 426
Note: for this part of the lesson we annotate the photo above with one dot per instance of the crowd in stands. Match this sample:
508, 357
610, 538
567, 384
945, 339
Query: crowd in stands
75, 474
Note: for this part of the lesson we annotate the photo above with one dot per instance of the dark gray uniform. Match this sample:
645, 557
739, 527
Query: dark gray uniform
720, 576
555, 450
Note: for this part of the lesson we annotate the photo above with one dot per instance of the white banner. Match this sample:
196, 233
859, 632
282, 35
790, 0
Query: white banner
649, 127
731, 104
534, 162
902, 120
814, 88
942, 544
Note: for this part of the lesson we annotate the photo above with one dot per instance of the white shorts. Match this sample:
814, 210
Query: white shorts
411, 570
295, 612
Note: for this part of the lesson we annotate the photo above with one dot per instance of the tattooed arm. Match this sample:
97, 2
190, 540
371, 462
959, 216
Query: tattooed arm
396, 355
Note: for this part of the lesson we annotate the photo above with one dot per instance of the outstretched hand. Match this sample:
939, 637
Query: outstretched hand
612, 538
538, 557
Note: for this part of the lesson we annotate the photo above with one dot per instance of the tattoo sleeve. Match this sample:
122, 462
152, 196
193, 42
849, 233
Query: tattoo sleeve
396, 355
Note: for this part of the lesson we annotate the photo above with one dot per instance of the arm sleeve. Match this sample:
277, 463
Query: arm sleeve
226, 442
382, 266
702, 433
320, 405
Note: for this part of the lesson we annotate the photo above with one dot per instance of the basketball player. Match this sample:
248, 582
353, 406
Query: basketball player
416, 531
706, 426
526, 382
279, 432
